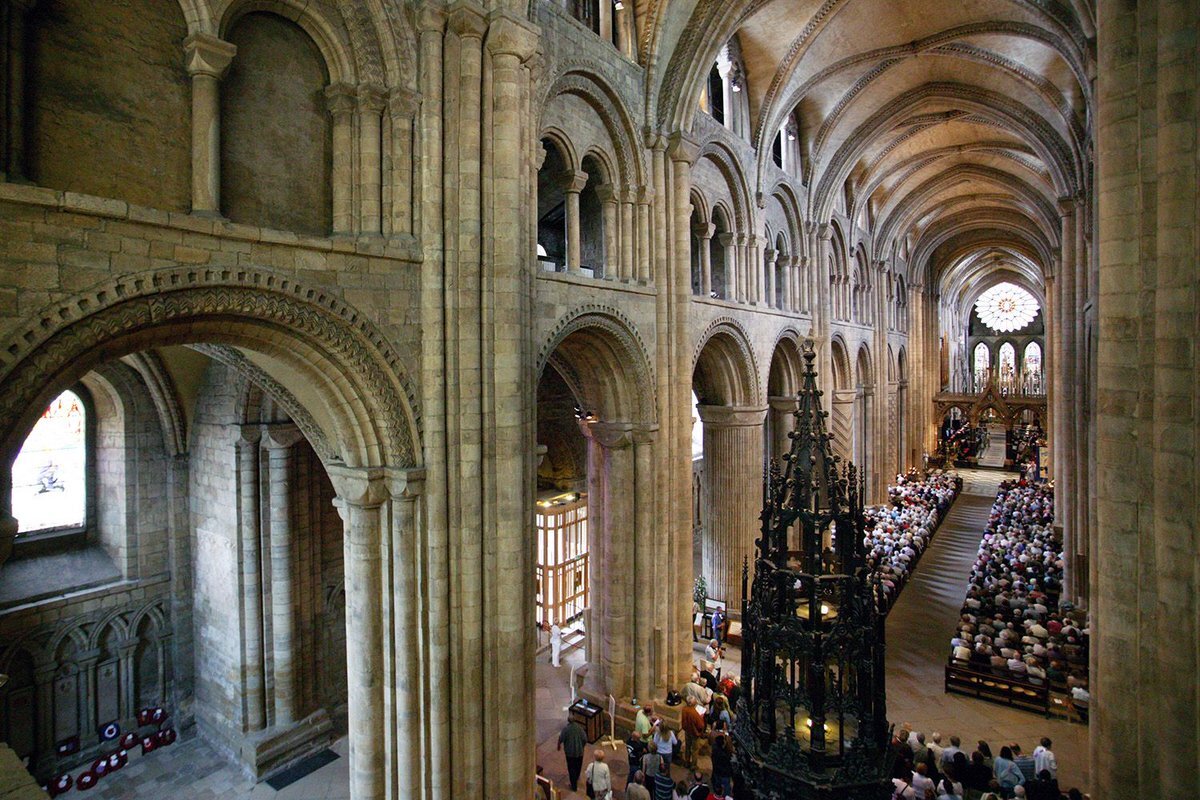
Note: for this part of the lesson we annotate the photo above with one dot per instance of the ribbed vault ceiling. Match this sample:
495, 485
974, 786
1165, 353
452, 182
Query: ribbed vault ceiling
953, 128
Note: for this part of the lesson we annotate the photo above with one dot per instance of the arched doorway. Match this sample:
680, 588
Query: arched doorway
353, 405
595, 363
723, 381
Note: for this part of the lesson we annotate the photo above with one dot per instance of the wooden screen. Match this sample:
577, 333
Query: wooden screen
562, 559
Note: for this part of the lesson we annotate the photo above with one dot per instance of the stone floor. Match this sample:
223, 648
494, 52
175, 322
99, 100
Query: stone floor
193, 770
919, 630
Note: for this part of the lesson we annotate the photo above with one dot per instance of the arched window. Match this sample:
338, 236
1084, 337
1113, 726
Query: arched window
1031, 369
716, 95
1008, 366
49, 476
983, 359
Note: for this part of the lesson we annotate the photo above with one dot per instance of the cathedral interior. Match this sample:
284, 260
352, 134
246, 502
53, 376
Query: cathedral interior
353, 350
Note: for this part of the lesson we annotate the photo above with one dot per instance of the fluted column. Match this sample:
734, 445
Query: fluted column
616, 454
279, 441
650, 666
250, 536
341, 100
207, 59
361, 498
573, 183
781, 422
733, 465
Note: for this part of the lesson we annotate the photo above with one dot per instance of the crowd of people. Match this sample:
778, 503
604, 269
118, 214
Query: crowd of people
1013, 622
897, 534
940, 769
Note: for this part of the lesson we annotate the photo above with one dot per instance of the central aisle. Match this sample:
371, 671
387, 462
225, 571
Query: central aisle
919, 629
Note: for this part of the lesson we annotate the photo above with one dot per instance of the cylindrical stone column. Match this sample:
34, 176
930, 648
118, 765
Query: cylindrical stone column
781, 422
772, 297
361, 500
207, 60
733, 466
743, 269
627, 236
649, 661
612, 221
402, 107
729, 249
704, 234
371, 102
616, 440
249, 516
645, 196
573, 183
279, 441
341, 100
406, 594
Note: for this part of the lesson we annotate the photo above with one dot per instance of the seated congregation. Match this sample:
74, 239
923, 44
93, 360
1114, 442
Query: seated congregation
1013, 624
897, 534
939, 768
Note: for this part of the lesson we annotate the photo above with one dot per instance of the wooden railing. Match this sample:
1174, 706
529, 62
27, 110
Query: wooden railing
987, 685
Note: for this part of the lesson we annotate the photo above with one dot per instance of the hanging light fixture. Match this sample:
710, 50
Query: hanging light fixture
811, 722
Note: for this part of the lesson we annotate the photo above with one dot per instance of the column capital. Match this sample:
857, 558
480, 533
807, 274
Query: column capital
508, 35
732, 416
403, 103
406, 483
628, 194
606, 192
208, 55
825, 232
574, 180
704, 230
684, 148
611, 435
359, 487
466, 20
645, 195
280, 436
726, 239
645, 434
784, 403
371, 98
1068, 204
431, 18
770, 255
249, 434
340, 99
654, 139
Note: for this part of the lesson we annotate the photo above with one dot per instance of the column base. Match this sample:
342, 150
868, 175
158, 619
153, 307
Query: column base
267, 752
627, 712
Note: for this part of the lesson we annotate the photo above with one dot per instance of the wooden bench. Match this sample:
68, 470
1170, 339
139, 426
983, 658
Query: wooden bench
986, 685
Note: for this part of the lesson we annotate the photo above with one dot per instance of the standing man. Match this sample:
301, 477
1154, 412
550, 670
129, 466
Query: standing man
718, 625
1043, 759
572, 741
555, 644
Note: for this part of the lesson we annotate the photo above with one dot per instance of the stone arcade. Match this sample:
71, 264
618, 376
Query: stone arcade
342, 288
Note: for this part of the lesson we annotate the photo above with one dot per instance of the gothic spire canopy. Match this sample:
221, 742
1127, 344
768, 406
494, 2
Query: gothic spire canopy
811, 721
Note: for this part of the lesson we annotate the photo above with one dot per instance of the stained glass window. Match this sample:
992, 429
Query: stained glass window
1006, 307
49, 487
1033, 357
983, 358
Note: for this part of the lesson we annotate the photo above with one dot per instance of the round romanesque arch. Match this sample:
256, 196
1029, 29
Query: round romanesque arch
339, 365
602, 357
724, 367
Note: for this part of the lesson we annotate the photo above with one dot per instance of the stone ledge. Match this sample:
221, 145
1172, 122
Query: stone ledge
15, 781
274, 749
597, 283
401, 248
